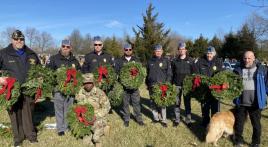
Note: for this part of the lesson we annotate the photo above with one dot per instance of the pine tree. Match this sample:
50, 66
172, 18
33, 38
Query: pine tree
231, 46
217, 44
247, 40
150, 34
199, 47
113, 47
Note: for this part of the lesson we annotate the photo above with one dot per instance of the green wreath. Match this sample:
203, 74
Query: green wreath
9, 93
164, 94
69, 80
196, 86
80, 119
116, 94
132, 75
105, 77
5, 130
225, 86
39, 82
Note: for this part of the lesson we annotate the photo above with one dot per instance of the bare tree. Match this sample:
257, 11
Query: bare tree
6, 35
44, 41
87, 45
76, 40
259, 25
31, 34
256, 3
173, 44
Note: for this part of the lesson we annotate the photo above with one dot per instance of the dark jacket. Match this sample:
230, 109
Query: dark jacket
158, 70
119, 63
208, 68
58, 60
261, 85
15, 65
93, 61
180, 69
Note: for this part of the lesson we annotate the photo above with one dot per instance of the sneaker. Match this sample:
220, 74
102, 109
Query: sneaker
126, 123
175, 124
61, 133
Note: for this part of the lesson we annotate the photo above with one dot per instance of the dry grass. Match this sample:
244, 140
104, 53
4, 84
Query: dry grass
152, 135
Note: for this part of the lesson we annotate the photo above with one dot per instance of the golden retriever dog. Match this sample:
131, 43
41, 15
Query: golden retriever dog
221, 123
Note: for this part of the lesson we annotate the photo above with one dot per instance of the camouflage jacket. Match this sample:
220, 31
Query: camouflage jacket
97, 98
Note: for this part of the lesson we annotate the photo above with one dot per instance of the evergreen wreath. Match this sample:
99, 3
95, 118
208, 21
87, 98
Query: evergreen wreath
164, 94
69, 80
9, 93
105, 77
39, 82
116, 94
196, 86
132, 75
225, 86
80, 119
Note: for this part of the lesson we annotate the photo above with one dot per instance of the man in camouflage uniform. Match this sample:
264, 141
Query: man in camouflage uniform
91, 94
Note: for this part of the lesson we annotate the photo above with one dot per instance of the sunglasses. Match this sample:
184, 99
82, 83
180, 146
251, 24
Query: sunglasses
128, 49
97, 44
67, 46
21, 39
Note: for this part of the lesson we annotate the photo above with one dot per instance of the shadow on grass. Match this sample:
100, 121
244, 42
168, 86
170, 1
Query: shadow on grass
43, 110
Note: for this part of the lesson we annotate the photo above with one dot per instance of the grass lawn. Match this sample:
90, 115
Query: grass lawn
152, 135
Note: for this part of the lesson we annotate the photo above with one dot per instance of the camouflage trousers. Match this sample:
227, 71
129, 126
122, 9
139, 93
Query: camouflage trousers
97, 131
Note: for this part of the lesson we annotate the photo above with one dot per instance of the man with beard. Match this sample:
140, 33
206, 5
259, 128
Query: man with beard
17, 59
62, 102
253, 98
209, 65
129, 94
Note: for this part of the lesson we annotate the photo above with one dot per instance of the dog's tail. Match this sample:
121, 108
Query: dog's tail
213, 134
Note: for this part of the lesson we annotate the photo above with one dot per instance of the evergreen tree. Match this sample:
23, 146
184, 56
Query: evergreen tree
150, 34
199, 47
217, 43
247, 40
113, 47
231, 46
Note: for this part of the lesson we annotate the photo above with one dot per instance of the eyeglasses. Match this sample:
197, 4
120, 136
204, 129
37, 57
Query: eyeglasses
67, 46
21, 39
128, 49
97, 44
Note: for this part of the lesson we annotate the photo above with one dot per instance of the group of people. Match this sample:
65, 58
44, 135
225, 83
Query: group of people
17, 59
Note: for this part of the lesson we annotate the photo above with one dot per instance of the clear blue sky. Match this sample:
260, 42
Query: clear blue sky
189, 18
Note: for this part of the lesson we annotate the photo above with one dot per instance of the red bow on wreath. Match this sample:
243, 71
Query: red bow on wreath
102, 72
38, 93
70, 73
164, 89
219, 88
196, 82
8, 86
80, 114
134, 72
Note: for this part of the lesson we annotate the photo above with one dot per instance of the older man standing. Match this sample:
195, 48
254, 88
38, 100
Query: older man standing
62, 102
17, 59
209, 65
253, 98
158, 70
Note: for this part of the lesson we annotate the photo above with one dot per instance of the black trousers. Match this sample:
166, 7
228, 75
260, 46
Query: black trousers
209, 107
21, 119
255, 118
134, 97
